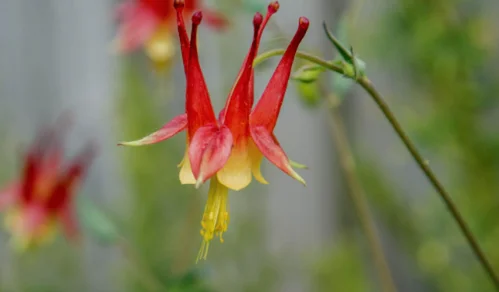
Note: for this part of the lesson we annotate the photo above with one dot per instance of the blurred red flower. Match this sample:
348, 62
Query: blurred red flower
43, 195
151, 23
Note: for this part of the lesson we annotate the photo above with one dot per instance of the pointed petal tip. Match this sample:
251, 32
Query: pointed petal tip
262, 180
130, 143
296, 176
178, 4
197, 17
257, 19
304, 23
273, 7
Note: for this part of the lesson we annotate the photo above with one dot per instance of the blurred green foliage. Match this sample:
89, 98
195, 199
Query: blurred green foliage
347, 273
443, 47
447, 51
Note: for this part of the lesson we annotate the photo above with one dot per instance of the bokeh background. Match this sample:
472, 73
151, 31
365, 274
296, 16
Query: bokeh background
435, 61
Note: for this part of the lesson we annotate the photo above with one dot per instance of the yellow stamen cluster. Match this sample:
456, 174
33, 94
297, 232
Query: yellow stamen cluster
215, 218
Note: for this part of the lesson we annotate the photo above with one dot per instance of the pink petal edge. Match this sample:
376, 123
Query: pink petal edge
270, 148
170, 129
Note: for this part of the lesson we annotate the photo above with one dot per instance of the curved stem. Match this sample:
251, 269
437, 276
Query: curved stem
305, 56
356, 192
348, 166
422, 163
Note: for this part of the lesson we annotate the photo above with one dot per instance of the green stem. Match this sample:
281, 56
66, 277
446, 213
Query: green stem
326, 64
347, 163
430, 175
422, 163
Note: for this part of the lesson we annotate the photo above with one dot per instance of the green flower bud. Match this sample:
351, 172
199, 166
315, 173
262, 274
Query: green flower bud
308, 73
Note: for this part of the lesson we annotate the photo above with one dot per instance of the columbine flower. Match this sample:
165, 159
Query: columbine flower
43, 195
229, 149
149, 23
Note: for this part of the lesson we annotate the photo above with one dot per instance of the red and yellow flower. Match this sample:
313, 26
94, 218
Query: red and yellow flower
228, 149
44, 194
149, 23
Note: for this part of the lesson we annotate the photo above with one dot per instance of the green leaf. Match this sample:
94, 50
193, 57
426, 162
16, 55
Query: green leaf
98, 224
358, 66
344, 52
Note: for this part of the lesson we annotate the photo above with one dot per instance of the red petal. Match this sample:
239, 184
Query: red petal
191, 4
209, 150
69, 223
268, 107
64, 188
170, 129
270, 148
198, 105
272, 8
30, 175
182, 33
238, 105
33, 164
137, 26
44, 157
9, 195
162, 8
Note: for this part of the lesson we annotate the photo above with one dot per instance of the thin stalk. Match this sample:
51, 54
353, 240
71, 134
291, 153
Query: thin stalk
347, 163
305, 56
430, 175
348, 166
422, 163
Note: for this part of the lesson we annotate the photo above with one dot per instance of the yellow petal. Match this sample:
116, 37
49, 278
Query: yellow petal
256, 160
236, 173
186, 177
